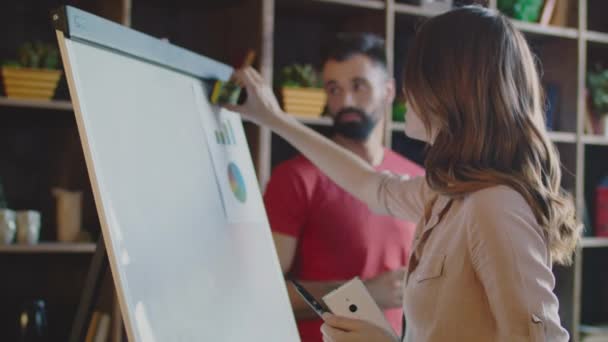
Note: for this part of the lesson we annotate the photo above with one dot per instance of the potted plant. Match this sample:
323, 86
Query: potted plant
399, 109
525, 10
597, 81
301, 90
35, 74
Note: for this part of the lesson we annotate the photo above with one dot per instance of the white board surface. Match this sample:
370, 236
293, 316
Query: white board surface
184, 269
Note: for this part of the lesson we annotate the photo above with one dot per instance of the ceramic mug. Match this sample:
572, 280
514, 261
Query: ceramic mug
8, 226
28, 226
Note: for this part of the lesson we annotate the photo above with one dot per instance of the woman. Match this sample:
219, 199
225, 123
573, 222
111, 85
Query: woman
492, 216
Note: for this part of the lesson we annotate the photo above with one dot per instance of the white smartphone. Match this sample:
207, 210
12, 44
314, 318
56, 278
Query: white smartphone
352, 300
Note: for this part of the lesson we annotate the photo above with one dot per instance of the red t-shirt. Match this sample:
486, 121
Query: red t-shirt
338, 236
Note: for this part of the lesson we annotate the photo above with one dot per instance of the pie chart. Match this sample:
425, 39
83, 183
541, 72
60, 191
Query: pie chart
237, 183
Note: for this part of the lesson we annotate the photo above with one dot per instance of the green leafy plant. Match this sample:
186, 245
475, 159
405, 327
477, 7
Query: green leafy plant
299, 75
399, 110
597, 81
526, 10
36, 55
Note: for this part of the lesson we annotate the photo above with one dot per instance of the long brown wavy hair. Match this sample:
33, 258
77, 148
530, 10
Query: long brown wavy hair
472, 77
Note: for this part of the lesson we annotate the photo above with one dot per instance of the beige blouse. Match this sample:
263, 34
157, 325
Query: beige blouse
480, 268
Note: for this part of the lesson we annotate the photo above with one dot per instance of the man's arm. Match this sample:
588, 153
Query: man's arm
286, 249
385, 288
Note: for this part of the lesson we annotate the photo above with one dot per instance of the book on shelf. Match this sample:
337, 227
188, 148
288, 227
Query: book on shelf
99, 327
601, 208
552, 97
92, 326
586, 218
547, 13
589, 126
103, 329
563, 13
594, 123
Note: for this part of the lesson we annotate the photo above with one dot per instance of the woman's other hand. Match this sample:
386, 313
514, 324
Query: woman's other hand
342, 329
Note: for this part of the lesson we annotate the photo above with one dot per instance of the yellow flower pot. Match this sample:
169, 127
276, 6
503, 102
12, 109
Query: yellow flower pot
307, 102
29, 83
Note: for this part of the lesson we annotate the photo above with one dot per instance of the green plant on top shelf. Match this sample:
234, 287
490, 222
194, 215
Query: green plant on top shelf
299, 75
399, 110
525, 10
597, 81
36, 55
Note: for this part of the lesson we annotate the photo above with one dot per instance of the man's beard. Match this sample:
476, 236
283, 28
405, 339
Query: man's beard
358, 130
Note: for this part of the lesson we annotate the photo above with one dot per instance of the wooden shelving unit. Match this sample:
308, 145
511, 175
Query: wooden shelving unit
563, 52
386, 17
42, 150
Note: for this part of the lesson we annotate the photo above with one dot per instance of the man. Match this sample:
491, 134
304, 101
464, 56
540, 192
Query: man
323, 235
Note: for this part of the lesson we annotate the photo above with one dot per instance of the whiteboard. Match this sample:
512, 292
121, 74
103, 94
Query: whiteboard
192, 256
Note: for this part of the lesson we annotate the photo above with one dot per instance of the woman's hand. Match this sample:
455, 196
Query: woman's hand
342, 329
261, 105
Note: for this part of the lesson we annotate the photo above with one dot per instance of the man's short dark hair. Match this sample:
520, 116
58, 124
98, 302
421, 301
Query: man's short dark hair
344, 45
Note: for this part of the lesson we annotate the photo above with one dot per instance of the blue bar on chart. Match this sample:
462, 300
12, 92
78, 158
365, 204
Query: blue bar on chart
225, 136
231, 132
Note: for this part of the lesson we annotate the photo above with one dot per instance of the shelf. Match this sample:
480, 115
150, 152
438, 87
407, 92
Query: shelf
534, 28
398, 126
43, 104
596, 37
562, 137
320, 121
594, 242
373, 4
416, 10
593, 330
558, 137
48, 247
595, 140
545, 30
